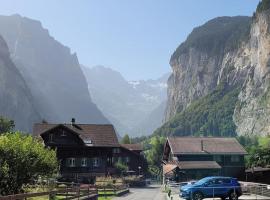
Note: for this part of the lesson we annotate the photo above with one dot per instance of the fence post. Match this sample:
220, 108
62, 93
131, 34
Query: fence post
78, 193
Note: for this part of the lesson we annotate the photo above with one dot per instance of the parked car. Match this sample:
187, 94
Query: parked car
222, 187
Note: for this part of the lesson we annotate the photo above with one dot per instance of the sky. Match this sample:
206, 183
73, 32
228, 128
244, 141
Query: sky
134, 37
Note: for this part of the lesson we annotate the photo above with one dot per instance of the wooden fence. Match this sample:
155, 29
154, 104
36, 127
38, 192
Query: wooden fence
88, 192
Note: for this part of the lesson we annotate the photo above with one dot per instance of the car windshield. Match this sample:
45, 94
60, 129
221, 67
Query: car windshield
202, 181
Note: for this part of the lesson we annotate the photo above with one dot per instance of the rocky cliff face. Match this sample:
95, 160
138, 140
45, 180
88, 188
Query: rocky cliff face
52, 73
15, 96
232, 50
204, 59
253, 110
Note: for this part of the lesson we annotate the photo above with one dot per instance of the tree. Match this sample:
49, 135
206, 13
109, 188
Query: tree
154, 153
6, 125
22, 160
121, 166
126, 139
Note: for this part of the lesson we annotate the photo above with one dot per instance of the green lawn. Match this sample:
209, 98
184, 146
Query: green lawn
103, 198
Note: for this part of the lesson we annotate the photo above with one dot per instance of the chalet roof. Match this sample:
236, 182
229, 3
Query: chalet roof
194, 165
133, 147
205, 145
98, 134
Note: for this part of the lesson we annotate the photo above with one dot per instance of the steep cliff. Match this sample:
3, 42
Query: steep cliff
230, 51
52, 73
15, 96
252, 114
204, 59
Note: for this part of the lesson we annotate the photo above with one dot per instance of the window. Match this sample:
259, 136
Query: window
115, 159
116, 150
218, 158
63, 134
235, 158
96, 162
126, 159
84, 162
71, 162
50, 137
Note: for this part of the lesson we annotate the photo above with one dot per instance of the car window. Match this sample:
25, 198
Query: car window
226, 180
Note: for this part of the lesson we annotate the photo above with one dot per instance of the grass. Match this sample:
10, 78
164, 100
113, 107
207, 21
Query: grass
105, 198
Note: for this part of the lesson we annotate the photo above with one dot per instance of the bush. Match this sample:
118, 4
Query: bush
211, 115
22, 160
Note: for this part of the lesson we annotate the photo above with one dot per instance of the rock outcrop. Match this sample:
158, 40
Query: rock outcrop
52, 73
233, 50
205, 59
252, 114
16, 98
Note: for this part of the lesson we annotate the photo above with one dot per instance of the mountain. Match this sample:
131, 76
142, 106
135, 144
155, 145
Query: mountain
126, 103
16, 98
50, 70
220, 80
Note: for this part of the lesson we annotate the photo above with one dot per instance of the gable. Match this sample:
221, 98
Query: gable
60, 135
99, 135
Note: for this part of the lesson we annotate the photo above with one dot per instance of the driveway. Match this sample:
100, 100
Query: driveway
153, 192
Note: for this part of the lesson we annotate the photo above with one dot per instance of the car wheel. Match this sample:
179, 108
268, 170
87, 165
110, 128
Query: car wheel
197, 196
233, 196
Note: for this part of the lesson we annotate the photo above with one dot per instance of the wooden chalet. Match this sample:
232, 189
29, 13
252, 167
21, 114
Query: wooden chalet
192, 158
87, 150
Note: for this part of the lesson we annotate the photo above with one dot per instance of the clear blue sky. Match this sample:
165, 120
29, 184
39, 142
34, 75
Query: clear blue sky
135, 37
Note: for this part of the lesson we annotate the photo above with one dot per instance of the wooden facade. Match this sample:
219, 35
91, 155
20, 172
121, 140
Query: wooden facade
195, 158
85, 151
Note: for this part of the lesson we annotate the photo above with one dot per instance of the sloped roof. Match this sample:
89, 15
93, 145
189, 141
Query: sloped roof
98, 134
194, 165
168, 168
205, 145
133, 147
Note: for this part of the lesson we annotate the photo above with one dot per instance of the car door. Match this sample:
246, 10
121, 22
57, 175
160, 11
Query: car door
219, 187
209, 188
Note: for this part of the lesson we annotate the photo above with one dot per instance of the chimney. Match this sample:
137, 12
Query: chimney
202, 146
72, 121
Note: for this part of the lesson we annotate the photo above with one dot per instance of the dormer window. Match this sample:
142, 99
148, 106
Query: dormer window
88, 141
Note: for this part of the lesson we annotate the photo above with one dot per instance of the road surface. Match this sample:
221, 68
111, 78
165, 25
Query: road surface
148, 193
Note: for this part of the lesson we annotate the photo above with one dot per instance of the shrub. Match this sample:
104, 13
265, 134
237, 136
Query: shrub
22, 160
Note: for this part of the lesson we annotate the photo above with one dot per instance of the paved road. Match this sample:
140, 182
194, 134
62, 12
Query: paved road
148, 193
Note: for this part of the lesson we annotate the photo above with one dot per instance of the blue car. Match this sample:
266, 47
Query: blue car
222, 187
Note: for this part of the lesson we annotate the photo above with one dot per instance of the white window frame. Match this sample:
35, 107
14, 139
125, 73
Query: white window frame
96, 162
71, 162
116, 150
50, 137
84, 162
63, 133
